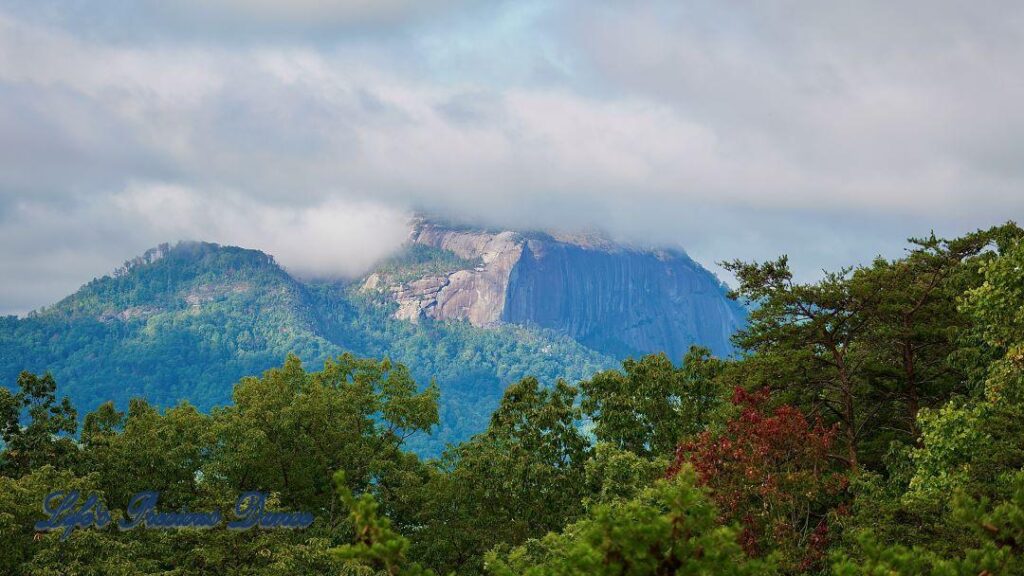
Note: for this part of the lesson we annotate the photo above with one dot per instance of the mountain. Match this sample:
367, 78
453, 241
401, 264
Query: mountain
611, 298
472, 309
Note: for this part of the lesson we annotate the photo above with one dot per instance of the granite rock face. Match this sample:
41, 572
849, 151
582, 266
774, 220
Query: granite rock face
611, 298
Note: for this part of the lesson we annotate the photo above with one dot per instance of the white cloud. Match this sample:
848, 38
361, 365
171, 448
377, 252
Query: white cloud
332, 239
316, 12
50, 250
737, 130
229, 21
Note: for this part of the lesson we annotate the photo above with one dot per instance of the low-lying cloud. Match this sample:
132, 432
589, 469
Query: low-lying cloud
333, 239
50, 250
740, 130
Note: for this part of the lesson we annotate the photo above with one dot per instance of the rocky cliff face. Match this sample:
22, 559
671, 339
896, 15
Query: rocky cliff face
611, 298
476, 294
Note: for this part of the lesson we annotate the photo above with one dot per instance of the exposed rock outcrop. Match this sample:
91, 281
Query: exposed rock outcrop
610, 297
475, 294
621, 301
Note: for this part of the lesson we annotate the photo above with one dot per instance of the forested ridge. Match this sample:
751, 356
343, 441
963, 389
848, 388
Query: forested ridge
873, 425
188, 321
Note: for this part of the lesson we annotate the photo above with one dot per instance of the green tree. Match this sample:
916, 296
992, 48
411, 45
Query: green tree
670, 528
650, 405
998, 543
377, 546
616, 474
521, 478
46, 437
151, 451
818, 325
968, 460
289, 430
915, 325
969, 443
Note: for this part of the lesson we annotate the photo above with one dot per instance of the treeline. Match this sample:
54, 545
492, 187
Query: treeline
190, 320
875, 425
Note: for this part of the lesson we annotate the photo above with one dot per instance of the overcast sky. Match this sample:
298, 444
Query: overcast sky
829, 131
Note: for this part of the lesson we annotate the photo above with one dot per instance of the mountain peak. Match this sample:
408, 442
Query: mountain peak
588, 238
187, 320
169, 277
617, 299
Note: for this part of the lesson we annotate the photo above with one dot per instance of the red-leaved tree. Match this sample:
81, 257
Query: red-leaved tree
770, 471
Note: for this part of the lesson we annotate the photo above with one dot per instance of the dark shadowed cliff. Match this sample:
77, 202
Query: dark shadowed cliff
615, 299
621, 302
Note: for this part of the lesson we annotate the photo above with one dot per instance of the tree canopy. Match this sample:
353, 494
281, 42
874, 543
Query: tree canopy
873, 425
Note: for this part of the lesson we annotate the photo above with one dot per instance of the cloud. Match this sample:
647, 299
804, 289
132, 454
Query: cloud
149, 21
736, 130
331, 239
51, 249
885, 104
317, 12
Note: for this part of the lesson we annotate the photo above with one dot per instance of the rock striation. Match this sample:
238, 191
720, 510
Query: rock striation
612, 298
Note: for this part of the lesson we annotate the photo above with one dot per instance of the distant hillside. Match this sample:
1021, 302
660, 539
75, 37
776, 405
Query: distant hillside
188, 322
473, 310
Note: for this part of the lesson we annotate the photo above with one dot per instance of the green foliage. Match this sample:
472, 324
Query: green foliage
187, 322
419, 260
998, 543
20, 501
290, 430
154, 451
967, 444
650, 405
914, 324
917, 364
187, 325
819, 325
616, 474
957, 501
670, 528
377, 545
521, 478
44, 438
869, 346
286, 434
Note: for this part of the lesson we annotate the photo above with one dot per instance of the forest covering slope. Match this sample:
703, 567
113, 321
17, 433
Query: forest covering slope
472, 309
874, 425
